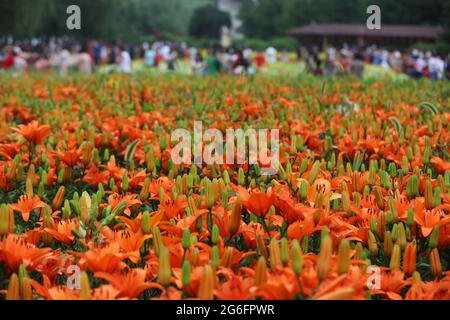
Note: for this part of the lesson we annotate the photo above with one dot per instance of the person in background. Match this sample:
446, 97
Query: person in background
447, 67
271, 55
8, 61
260, 60
149, 57
84, 61
436, 67
240, 65
418, 66
42, 63
212, 62
198, 65
171, 61
357, 64
64, 60
124, 60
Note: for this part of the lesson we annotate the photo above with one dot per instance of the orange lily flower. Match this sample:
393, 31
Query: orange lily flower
33, 132
130, 284
26, 204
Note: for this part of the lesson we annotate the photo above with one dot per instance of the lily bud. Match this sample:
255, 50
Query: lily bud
345, 201
194, 257
85, 287
343, 259
373, 225
395, 258
434, 239
401, 237
41, 189
284, 251
435, 264
357, 199
324, 259
145, 222
405, 167
305, 244
164, 269
59, 198
7, 224
388, 244
209, 194
313, 173
410, 218
416, 277
215, 234
227, 258
437, 197
395, 232
186, 241
125, 181
392, 170
379, 197
11, 173
67, 210
384, 179
215, 257
31, 175
303, 190
145, 191
389, 217
356, 182
366, 191
393, 209
206, 287
241, 177
235, 219
297, 257
372, 243
303, 166
29, 187
358, 251
157, 240
409, 259
186, 274
192, 206
428, 195
27, 292
46, 223
412, 187
381, 225
85, 206
261, 272
274, 250
261, 246
13, 288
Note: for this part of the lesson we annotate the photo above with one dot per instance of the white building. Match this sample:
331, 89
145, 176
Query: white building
232, 7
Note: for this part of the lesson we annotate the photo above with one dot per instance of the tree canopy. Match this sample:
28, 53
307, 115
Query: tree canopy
132, 19
268, 18
106, 19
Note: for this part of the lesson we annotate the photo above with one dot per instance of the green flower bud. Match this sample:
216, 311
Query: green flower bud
186, 274
215, 257
186, 241
434, 239
215, 234
297, 257
145, 222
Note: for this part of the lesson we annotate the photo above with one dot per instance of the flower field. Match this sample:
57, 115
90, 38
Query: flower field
93, 207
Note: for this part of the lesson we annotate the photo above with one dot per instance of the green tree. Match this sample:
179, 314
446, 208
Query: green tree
207, 22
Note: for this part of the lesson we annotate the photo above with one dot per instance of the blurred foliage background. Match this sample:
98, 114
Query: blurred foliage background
133, 20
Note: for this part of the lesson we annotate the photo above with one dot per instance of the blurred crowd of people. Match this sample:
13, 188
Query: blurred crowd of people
66, 54
415, 63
